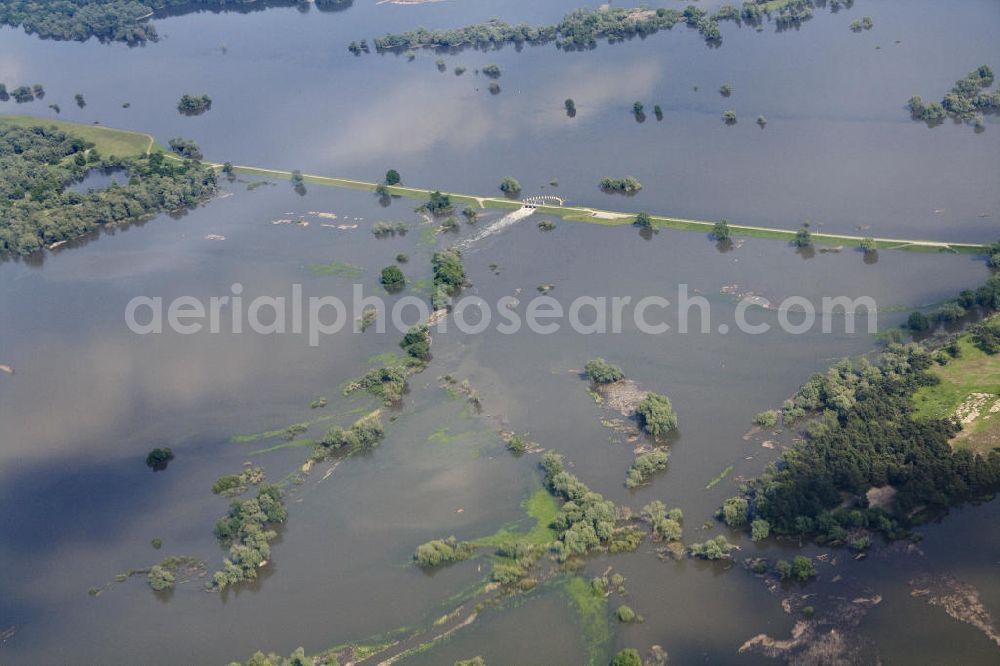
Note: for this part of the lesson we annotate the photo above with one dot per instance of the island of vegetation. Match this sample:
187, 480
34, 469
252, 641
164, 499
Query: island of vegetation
866, 440
582, 28
38, 162
967, 101
626, 185
194, 106
119, 20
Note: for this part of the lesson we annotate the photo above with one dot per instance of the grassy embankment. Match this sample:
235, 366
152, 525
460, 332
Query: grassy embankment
108, 141
974, 372
612, 218
122, 143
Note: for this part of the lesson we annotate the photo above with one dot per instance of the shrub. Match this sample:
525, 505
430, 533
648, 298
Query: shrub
160, 578
517, 445
718, 548
736, 511
656, 414
392, 278
442, 551
645, 466
767, 419
803, 568
417, 342
627, 657
392, 177
760, 529
625, 614
602, 372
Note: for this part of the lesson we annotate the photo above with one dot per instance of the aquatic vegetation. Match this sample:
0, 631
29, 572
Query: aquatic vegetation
656, 414
237, 484
363, 435
626, 615
392, 278
417, 343
160, 578
517, 445
449, 276
718, 548
245, 528
592, 614
627, 657
602, 372
586, 521
717, 480
767, 419
337, 269
442, 551
644, 466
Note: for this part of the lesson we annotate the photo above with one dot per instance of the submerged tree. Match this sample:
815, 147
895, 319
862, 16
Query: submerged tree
510, 186
392, 278
656, 414
602, 372
158, 459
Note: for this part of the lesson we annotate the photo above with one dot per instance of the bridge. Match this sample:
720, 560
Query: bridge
542, 200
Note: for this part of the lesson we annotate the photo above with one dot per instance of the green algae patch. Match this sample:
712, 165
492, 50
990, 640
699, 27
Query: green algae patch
541, 507
591, 609
336, 269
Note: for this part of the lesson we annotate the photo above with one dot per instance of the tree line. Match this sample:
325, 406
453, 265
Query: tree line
582, 28
37, 165
865, 435
121, 20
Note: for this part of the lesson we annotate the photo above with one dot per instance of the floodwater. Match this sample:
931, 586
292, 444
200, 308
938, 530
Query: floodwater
89, 398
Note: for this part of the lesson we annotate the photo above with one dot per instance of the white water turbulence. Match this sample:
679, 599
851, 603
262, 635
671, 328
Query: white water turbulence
508, 220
